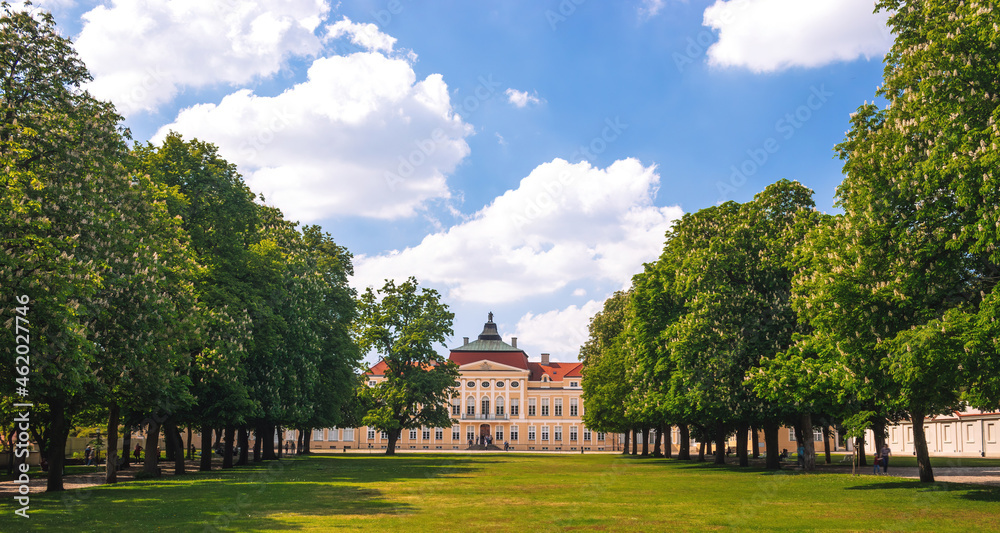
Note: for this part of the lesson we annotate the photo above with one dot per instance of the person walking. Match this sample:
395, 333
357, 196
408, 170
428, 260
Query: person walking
886, 452
801, 452
878, 464
88, 455
138, 452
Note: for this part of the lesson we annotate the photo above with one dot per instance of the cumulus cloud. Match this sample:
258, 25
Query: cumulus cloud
560, 332
772, 35
367, 36
564, 224
143, 52
361, 136
521, 99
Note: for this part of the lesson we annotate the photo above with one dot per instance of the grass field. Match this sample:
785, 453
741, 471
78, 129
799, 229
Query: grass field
510, 492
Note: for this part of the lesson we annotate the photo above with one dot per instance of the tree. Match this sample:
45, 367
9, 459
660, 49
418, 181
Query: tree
606, 385
920, 204
402, 325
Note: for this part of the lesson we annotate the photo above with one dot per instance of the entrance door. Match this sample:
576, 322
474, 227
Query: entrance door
484, 430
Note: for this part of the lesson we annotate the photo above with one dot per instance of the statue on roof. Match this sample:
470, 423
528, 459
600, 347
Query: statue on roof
490, 317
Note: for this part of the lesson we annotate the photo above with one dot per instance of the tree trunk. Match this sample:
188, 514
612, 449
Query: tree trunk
859, 445
170, 443
299, 437
111, 465
206, 449
280, 437
306, 439
152, 449
190, 447
126, 448
741, 444
720, 444
807, 441
269, 442
227, 458
258, 442
391, 448
625, 448
244, 439
684, 448
878, 432
668, 446
645, 441
701, 452
920, 443
826, 444
772, 459
58, 431
708, 446
755, 441
174, 435
635, 442
657, 442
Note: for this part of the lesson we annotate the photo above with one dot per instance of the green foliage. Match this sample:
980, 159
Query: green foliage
403, 324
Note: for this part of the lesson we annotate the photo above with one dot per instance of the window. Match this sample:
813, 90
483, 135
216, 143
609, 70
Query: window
558, 406
499, 384
558, 433
515, 407
438, 433
909, 434
515, 384
456, 409
455, 434
486, 406
600, 436
545, 378
513, 433
470, 434
499, 435
426, 433
545, 407
574, 407
791, 434
817, 434
531, 432
572, 434
586, 434
485, 385
574, 383
348, 433
991, 435
371, 434
471, 384
968, 433
470, 406
545, 432
946, 433
371, 383
531, 406
384, 435
499, 408
413, 434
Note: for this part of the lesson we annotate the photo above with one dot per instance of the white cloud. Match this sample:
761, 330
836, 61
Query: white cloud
143, 52
367, 36
650, 8
522, 98
565, 224
360, 137
559, 332
771, 35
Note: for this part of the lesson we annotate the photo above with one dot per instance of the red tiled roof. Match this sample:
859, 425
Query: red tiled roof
556, 371
378, 369
515, 359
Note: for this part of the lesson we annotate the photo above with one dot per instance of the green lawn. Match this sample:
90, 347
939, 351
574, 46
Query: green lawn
510, 492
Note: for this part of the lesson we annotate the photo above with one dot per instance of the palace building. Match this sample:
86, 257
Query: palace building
530, 405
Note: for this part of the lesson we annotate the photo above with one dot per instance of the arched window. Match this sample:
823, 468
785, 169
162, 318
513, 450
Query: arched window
499, 408
486, 406
470, 406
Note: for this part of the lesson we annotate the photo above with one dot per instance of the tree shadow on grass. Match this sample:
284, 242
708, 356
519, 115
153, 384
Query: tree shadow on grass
968, 491
241, 498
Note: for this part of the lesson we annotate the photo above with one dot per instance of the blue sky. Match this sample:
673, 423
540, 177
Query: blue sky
521, 157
